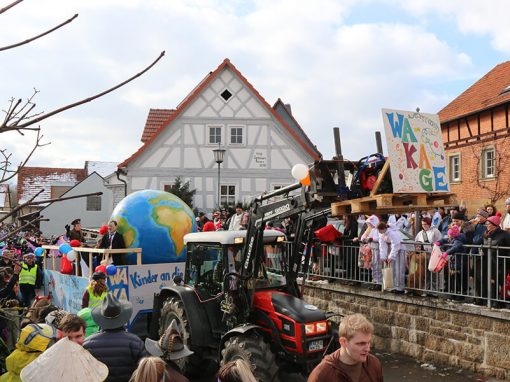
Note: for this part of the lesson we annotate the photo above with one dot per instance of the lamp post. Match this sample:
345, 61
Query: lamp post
218, 157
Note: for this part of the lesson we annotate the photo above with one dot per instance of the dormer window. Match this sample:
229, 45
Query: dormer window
226, 95
505, 90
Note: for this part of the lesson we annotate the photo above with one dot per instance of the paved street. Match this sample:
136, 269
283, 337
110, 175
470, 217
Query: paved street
401, 368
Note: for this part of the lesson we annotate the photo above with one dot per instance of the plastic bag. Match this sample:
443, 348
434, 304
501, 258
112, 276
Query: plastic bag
387, 281
365, 257
66, 267
437, 259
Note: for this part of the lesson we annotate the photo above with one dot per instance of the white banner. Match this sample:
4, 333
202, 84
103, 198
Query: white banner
138, 283
135, 283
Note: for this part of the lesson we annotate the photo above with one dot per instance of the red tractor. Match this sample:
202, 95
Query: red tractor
239, 297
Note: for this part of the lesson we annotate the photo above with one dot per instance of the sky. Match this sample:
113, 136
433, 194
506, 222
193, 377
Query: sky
337, 62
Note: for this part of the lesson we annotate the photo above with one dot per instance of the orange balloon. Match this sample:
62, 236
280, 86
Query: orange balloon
305, 181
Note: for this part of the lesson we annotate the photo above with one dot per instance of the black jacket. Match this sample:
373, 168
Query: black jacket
117, 241
117, 349
8, 290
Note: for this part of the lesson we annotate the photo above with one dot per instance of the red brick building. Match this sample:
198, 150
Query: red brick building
476, 133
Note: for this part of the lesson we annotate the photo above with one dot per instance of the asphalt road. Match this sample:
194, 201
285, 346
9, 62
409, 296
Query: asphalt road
399, 368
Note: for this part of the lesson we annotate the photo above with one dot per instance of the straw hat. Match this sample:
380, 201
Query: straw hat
170, 345
65, 361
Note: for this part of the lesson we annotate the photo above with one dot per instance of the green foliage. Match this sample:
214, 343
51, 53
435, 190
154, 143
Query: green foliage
182, 190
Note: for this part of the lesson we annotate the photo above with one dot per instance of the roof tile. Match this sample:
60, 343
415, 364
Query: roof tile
32, 179
189, 98
485, 93
155, 119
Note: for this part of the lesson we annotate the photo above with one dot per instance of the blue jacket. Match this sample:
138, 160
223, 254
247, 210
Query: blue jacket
455, 250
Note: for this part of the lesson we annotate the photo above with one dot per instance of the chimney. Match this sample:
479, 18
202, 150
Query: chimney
287, 105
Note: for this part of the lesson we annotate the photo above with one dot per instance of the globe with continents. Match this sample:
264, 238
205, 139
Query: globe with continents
155, 221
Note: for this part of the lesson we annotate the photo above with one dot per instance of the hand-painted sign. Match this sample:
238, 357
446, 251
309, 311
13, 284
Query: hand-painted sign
66, 290
415, 151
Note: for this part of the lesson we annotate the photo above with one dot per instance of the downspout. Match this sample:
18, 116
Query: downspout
123, 172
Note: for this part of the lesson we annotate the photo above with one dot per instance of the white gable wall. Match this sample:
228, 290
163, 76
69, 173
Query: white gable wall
263, 159
62, 213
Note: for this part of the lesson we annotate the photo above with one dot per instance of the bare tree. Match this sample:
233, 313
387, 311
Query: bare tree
20, 116
498, 188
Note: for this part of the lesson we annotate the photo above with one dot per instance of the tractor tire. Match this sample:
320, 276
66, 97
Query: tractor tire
253, 349
173, 309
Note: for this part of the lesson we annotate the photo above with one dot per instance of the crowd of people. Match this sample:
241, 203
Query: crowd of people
57, 345
463, 241
223, 220
97, 333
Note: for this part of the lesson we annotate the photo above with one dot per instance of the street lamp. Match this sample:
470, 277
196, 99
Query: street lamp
218, 157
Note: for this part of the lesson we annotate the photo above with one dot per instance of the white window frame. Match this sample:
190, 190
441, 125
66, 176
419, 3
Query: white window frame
488, 171
243, 135
208, 134
451, 177
228, 199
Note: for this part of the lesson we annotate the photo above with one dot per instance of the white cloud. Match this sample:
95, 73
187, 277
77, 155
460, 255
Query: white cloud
332, 72
470, 17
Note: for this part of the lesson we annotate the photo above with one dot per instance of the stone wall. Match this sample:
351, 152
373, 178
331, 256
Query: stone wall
429, 330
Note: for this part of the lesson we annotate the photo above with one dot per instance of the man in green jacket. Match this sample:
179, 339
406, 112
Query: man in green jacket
30, 279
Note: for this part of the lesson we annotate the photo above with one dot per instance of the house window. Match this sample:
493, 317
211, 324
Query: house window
214, 135
94, 203
488, 163
277, 187
454, 166
236, 135
227, 194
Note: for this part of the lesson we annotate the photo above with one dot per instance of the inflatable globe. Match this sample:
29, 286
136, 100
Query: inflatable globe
155, 221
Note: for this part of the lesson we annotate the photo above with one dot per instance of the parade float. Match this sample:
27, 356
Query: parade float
153, 224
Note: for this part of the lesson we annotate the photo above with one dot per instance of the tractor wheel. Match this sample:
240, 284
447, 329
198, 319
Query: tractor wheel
173, 309
253, 349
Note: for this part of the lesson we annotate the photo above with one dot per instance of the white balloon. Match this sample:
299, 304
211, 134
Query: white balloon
71, 256
299, 171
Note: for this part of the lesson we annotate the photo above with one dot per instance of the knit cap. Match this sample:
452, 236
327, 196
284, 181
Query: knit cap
454, 231
482, 212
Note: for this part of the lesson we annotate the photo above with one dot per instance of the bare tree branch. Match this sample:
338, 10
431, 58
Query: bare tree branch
39, 35
83, 101
19, 207
13, 117
5, 169
31, 222
13, 122
6, 8
496, 188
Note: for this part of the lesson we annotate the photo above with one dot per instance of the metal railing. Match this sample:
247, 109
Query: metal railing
480, 274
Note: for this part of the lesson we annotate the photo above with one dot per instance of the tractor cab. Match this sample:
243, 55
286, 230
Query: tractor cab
213, 255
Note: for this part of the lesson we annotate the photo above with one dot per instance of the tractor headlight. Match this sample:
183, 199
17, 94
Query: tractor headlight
238, 240
309, 329
322, 327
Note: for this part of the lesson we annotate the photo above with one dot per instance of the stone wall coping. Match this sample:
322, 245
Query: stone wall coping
438, 303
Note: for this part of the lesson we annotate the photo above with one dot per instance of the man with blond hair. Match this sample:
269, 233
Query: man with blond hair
353, 361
